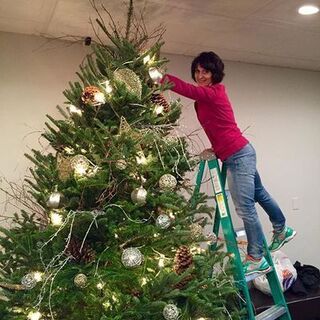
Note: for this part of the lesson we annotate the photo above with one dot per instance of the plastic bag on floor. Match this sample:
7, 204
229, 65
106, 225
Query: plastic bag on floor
287, 274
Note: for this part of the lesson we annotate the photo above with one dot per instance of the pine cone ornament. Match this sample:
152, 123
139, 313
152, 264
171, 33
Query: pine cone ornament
136, 293
160, 100
182, 261
85, 255
92, 95
181, 284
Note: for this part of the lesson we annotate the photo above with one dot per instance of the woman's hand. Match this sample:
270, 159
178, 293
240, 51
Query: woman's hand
207, 154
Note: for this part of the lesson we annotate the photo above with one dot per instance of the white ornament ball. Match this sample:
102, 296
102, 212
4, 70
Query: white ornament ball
80, 280
80, 164
55, 200
163, 221
167, 182
80, 161
139, 195
131, 257
29, 281
170, 312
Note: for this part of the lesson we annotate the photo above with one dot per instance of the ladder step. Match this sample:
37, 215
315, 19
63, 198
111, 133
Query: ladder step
240, 232
256, 275
272, 313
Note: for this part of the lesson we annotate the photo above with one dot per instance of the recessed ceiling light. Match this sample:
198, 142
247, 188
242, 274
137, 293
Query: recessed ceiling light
308, 9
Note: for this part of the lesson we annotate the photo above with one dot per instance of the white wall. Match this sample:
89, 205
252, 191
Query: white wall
33, 75
280, 106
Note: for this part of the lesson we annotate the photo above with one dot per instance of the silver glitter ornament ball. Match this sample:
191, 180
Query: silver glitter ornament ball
80, 280
139, 195
196, 230
163, 221
167, 182
131, 257
170, 312
29, 281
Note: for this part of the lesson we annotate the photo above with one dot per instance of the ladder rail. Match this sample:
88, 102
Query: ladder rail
223, 212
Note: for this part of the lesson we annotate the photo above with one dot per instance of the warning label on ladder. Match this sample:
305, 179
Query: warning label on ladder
216, 181
221, 205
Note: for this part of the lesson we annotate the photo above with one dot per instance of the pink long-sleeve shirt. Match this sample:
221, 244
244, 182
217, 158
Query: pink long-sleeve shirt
215, 115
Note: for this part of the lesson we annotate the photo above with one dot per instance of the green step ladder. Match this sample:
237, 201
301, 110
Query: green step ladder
218, 178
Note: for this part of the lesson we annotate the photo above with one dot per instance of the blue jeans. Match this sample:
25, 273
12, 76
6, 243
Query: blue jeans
246, 189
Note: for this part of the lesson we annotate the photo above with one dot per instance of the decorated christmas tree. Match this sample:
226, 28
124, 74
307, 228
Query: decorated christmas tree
113, 234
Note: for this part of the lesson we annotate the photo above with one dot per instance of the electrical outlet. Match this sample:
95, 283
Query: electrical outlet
295, 203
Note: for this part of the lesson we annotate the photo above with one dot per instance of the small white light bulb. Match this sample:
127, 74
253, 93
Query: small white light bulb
161, 261
106, 305
74, 110
34, 315
143, 281
92, 172
38, 276
308, 10
171, 214
107, 86
56, 219
100, 285
141, 159
115, 298
80, 169
158, 109
146, 59
69, 150
99, 97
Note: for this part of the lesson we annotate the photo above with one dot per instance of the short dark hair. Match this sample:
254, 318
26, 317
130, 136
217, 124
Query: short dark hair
209, 61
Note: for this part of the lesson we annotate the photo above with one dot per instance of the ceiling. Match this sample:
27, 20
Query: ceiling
268, 32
